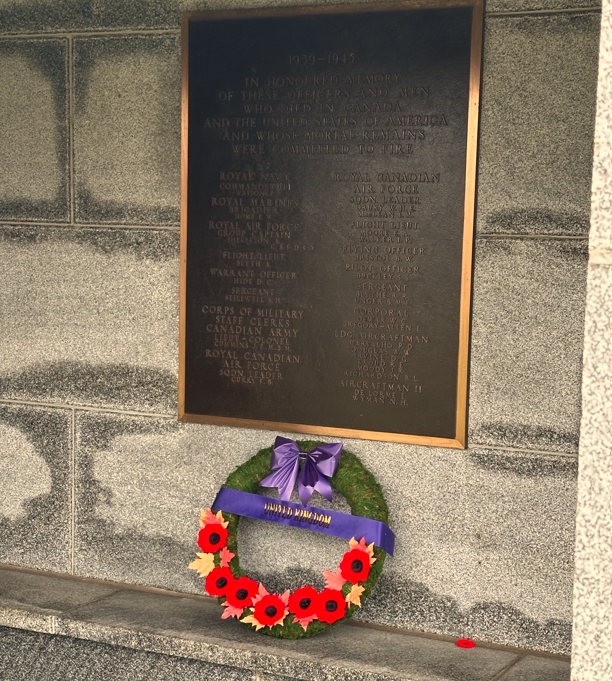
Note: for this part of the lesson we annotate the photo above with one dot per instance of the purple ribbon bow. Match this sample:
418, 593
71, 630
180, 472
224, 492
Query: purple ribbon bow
318, 462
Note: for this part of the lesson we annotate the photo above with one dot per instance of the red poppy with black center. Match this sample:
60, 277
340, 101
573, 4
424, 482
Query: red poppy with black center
212, 538
241, 592
355, 566
303, 602
330, 606
218, 581
269, 610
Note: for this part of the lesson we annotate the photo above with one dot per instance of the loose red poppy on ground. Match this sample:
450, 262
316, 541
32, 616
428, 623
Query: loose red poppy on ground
355, 566
241, 592
465, 643
330, 605
303, 602
218, 581
212, 538
269, 610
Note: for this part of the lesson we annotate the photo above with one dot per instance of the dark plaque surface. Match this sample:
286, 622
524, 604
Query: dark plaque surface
328, 190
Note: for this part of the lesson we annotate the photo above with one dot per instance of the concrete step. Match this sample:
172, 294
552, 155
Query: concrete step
57, 627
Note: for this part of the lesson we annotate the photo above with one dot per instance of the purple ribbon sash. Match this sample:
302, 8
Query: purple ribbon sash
333, 523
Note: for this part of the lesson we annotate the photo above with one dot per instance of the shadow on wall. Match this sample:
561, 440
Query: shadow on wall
408, 604
80, 383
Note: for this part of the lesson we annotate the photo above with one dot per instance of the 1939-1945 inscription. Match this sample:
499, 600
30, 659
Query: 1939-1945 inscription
327, 217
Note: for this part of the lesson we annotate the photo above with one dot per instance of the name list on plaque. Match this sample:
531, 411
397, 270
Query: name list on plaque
328, 193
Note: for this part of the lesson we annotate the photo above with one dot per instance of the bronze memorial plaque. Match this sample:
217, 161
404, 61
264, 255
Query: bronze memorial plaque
329, 161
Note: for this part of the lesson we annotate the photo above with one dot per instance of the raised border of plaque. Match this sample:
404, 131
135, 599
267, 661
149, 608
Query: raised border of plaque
327, 218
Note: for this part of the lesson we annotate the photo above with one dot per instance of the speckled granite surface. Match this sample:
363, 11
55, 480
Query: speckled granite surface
94, 317
132, 631
127, 140
505, 6
31, 656
34, 165
527, 327
592, 651
36, 484
535, 151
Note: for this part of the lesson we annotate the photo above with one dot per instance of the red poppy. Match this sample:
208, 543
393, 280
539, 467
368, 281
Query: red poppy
466, 643
241, 592
218, 581
303, 602
212, 537
269, 610
330, 605
355, 566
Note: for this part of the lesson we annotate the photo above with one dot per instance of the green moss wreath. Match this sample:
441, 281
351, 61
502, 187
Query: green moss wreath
304, 612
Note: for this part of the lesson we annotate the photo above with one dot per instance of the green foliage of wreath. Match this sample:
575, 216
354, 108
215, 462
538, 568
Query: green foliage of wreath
364, 496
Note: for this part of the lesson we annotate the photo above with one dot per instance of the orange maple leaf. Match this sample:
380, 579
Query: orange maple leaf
204, 564
333, 580
354, 595
285, 597
250, 619
361, 545
231, 611
225, 556
260, 594
305, 621
281, 621
207, 517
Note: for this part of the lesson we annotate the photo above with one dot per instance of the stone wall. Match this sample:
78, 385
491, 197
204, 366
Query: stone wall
97, 476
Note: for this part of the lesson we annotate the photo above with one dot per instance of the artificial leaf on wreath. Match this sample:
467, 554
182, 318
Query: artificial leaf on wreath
204, 564
333, 580
305, 621
285, 597
225, 556
231, 611
354, 595
249, 619
261, 592
361, 545
207, 517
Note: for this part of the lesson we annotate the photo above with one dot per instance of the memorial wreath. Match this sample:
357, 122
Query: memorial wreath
315, 466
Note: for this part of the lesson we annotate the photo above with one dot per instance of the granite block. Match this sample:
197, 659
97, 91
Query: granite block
509, 6
526, 348
35, 487
34, 164
94, 315
47, 592
537, 122
29, 656
539, 669
465, 565
127, 143
592, 654
600, 235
